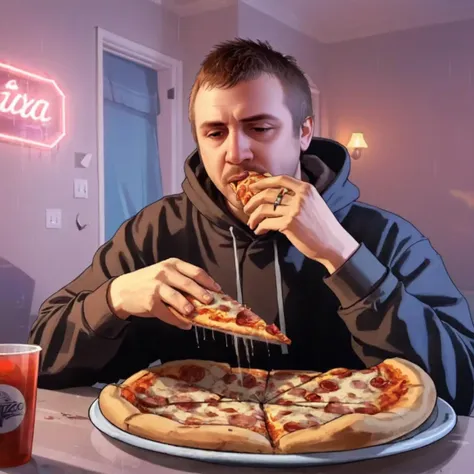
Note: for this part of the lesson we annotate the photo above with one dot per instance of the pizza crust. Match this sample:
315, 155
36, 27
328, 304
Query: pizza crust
213, 437
114, 407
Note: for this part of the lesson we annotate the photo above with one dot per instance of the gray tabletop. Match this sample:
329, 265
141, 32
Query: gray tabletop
67, 442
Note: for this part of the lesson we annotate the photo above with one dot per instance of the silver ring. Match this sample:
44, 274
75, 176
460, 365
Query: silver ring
278, 199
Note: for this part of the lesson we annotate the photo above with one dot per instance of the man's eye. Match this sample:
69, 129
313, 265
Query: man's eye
262, 129
214, 134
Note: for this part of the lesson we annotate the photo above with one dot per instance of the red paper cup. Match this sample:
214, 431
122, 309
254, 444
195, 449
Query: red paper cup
18, 386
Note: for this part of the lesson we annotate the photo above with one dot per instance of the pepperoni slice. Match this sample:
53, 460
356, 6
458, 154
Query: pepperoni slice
368, 409
378, 382
305, 378
244, 421
229, 410
229, 378
297, 392
247, 318
211, 414
129, 395
182, 387
213, 403
294, 426
142, 387
338, 408
272, 329
368, 371
284, 402
153, 402
193, 421
192, 373
187, 406
182, 399
249, 381
312, 397
281, 414
224, 308
329, 385
360, 384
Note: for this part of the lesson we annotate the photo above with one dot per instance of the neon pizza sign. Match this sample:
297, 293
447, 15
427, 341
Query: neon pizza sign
32, 108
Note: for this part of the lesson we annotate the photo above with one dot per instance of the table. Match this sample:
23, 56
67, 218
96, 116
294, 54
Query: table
67, 442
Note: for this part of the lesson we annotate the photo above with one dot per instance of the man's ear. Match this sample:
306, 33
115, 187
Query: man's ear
306, 133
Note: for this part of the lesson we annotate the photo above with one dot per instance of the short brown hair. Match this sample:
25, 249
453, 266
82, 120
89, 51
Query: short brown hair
237, 60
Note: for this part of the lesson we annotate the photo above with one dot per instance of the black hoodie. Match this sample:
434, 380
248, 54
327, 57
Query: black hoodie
393, 297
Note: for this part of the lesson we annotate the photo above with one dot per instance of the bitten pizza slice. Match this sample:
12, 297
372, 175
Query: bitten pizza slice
242, 187
244, 384
280, 381
226, 315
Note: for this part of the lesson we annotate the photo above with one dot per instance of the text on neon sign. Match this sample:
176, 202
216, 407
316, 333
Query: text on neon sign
14, 103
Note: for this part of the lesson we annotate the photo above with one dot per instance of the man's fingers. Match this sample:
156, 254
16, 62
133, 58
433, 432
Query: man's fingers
197, 274
263, 212
173, 299
267, 196
182, 283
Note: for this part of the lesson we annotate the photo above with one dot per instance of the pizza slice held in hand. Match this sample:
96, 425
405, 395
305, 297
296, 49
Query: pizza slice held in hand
242, 188
226, 315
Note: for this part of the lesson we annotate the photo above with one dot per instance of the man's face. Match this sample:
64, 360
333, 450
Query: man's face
247, 127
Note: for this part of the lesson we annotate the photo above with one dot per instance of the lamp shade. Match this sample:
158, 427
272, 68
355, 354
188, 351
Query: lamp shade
357, 141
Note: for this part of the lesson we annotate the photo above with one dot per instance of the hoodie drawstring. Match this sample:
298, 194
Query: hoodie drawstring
237, 270
281, 313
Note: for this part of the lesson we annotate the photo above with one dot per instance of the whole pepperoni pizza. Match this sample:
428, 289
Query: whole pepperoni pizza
211, 405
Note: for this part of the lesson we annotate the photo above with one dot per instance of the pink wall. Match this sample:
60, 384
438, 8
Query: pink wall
58, 38
412, 95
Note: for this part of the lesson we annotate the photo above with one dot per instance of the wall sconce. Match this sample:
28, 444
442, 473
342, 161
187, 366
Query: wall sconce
356, 143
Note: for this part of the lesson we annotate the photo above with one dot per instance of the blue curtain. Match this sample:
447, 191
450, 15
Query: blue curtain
131, 160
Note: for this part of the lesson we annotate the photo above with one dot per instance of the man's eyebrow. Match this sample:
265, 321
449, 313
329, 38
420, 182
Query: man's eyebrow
253, 118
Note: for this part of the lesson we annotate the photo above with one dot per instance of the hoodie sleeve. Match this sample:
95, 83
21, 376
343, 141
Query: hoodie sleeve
409, 307
82, 340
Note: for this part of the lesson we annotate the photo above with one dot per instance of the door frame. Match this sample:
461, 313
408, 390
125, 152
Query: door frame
125, 48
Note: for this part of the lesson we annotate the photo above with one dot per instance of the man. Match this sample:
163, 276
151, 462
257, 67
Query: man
350, 284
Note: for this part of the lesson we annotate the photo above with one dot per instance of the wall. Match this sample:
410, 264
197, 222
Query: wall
197, 35
42, 37
412, 95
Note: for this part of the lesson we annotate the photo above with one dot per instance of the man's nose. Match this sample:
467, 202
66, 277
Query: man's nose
238, 147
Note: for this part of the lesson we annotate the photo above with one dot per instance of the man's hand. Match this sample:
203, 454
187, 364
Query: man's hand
303, 217
144, 292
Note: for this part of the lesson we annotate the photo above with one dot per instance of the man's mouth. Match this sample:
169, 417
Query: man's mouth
238, 177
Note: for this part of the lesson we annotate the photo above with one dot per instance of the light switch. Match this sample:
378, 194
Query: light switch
81, 189
53, 219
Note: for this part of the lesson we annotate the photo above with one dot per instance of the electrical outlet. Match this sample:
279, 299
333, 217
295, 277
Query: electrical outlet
53, 218
81, 190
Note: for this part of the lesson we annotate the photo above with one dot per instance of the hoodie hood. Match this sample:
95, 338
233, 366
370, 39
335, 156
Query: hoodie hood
325, 164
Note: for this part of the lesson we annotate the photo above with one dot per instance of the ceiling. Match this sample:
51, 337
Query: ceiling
331, 21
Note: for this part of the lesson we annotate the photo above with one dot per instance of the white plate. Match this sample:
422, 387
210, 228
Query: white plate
438, 425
